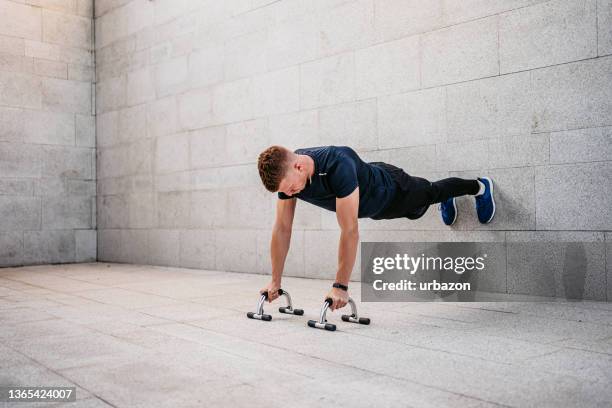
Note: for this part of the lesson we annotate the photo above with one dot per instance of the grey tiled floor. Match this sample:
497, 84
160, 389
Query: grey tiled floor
147, 336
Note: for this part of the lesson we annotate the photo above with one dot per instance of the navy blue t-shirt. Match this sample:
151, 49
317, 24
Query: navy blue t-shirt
338, 171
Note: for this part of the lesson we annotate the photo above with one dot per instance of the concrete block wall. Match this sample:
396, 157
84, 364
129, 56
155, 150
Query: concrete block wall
47, 132
189, 92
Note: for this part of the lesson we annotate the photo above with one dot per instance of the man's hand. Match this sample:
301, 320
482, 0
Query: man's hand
339, 296
272, 289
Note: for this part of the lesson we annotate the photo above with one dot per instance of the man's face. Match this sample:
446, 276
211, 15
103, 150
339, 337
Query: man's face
294, 181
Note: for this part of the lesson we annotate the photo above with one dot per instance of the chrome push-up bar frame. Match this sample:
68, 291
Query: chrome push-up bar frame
352, 318
260, 315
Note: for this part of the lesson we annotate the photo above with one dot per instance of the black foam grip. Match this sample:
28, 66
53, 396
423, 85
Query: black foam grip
329, 301
266, 317
345, 318
280, 292
298, 312
311, 323
330, 327
250, 315
364, 320
264, 294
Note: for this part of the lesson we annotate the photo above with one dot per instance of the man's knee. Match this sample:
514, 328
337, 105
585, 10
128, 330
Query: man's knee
423, 194
433, 192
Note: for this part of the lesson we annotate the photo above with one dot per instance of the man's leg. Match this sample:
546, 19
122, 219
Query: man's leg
423, 193
444, 192
444, 189
415, 194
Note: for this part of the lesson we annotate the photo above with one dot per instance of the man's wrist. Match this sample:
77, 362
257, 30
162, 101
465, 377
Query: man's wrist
340, 286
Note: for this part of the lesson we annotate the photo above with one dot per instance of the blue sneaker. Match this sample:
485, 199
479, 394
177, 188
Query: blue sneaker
448, 211
485, 205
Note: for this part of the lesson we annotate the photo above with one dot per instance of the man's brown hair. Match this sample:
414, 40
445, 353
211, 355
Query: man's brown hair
273, 164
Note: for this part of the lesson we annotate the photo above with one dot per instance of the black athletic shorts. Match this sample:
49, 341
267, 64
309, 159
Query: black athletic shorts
411, 199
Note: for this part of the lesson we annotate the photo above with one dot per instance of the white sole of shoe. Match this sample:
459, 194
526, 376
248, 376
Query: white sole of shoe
492, 199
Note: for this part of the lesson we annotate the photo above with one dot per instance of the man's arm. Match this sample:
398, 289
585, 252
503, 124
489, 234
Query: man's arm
346, 212
281, 236
347, 209
279, 246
